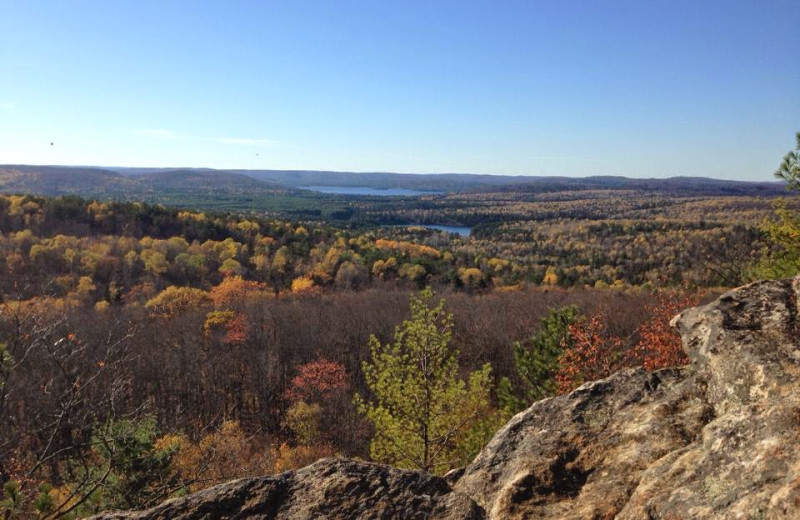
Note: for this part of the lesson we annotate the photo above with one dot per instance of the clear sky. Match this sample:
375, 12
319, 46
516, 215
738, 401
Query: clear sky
614, 87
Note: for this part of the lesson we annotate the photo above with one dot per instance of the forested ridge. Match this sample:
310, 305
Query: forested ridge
148, 351
132, 182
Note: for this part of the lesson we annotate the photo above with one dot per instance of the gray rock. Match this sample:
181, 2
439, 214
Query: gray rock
745, 349
327, 489
717, 439
581, 455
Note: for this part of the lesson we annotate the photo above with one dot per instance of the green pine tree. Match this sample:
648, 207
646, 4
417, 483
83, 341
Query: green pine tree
537, 362
789, 169
424, 415
781, 259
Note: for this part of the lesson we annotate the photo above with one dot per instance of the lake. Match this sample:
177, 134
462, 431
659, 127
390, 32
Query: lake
464, 231
461, 230
360, 190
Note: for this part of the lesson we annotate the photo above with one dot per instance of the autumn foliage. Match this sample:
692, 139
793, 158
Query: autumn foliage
174, 301
593, 354
303, 285
237, 330
317, 381
218, 456
409, 248
211, 323
235, 291
229, 452
320, 411
659, 345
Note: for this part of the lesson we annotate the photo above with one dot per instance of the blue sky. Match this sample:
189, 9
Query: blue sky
614, 87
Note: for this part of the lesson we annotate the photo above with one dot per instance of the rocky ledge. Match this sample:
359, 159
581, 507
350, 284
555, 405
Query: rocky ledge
717, 439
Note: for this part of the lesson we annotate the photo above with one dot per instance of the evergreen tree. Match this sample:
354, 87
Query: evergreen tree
537, 362
789, 169
424, 415
782, 258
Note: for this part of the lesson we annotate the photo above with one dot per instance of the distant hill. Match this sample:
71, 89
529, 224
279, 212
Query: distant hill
60, 180
481, 182
411, 181
676, 185
278, 190
378, 180
160, 186
205, 181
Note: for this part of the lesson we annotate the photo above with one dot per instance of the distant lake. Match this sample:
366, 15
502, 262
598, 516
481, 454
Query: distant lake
461, 230
360, 190
464, 231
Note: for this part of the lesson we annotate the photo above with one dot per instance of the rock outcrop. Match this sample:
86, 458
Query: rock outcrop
717, 439
330, 488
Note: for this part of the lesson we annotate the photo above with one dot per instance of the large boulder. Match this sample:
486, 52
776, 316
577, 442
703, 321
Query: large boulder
745, 350
330, 488
582, 455
717, 439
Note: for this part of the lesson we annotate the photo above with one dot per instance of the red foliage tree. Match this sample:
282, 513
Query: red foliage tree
237, 330
317, 381
593, 354
323, 384
659, 345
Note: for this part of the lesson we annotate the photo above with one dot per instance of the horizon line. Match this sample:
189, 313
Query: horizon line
377, 172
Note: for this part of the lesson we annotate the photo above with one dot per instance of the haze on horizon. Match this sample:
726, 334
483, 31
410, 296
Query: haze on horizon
629, 88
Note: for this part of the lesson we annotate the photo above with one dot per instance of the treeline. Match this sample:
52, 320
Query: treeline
494, 207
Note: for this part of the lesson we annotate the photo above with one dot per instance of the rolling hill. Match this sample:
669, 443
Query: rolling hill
450, 182
177, 186
278, 192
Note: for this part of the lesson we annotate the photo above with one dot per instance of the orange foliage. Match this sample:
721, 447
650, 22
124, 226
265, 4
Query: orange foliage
236, 290
230, 453
593, 354
659, 345
237, 330
287, 457
218, 457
